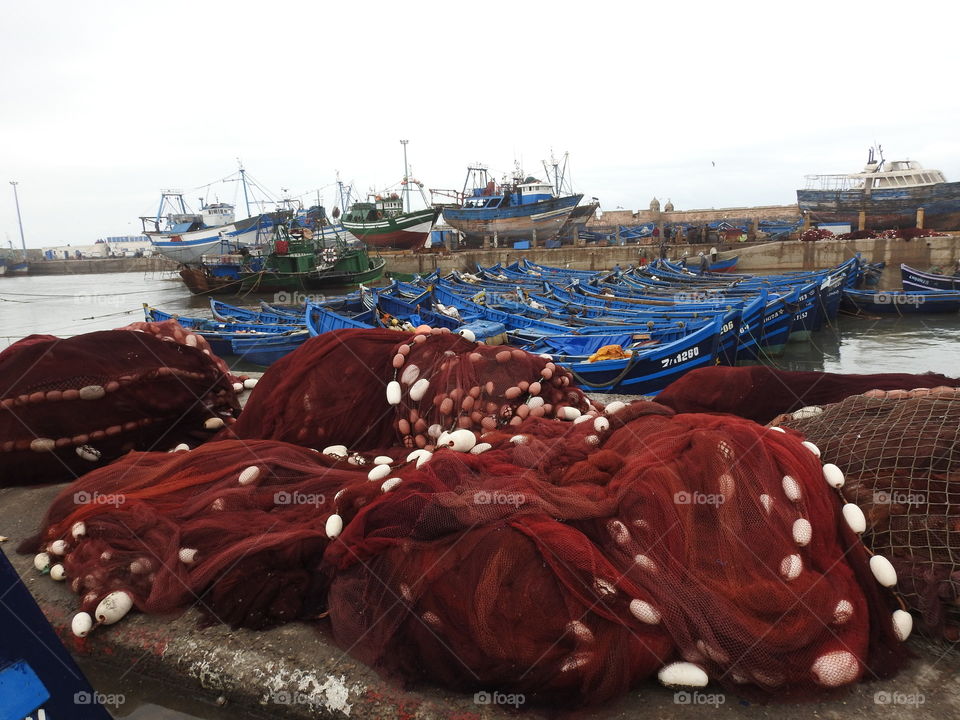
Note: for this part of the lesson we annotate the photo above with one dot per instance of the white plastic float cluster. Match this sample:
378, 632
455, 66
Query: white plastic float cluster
834, 668
112, 606
463, 409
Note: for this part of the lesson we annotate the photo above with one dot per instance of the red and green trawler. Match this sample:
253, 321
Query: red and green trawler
383, 223
386, 221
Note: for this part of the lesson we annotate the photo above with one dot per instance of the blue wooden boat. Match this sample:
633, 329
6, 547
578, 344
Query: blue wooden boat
914, 279
906, 302
232, 314
267, 350
648, 372
220, 335
321, 319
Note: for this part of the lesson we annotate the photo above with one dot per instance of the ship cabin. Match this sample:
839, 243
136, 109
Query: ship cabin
376, 208
528, 192
217, 214
898, 174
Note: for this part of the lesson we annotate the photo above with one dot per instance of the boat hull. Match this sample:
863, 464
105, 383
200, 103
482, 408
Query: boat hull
547, 218
894, 302
404, 232
914, 279
886, 208
200, 282
188, 248
271, 280
650, 372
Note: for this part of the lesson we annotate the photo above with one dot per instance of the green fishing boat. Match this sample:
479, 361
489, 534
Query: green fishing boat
298, 262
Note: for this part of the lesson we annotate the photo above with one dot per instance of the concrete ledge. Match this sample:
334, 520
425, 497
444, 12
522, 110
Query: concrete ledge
770, 256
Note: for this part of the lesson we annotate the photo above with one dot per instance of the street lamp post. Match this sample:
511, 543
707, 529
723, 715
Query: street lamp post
16, 201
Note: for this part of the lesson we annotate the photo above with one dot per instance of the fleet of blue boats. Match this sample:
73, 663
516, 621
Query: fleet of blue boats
630, 332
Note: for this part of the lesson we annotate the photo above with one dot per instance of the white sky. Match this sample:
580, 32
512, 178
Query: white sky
104, 103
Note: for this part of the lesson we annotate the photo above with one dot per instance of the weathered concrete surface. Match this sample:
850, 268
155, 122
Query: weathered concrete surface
101, 265
297, 672
768, 257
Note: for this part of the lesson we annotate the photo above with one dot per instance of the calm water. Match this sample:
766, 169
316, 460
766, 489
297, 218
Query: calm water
66, 305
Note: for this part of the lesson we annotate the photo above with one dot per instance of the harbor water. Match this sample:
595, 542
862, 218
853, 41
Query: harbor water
66, 305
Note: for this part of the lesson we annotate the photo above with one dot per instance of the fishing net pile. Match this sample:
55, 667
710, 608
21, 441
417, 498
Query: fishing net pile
762, 393
900, 451
460, 514
172, 330
69, 405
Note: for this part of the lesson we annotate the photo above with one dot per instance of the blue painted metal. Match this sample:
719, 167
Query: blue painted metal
35, 669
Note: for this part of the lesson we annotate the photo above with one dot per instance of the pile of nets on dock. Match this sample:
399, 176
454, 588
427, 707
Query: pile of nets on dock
68, 405
900, 451
461, 514
762, 393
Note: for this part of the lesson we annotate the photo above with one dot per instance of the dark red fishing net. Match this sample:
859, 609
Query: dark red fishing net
761, 393
173, 330
70, 405
333, 390
901, 455
563, 559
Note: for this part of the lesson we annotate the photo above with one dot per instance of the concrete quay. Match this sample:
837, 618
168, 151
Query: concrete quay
754, 257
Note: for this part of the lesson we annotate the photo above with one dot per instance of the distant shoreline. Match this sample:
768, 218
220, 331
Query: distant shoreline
101, 265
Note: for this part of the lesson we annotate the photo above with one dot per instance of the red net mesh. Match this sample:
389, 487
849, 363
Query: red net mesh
334, 390
67, 405
173, 330
900, 452
761, 393
566, 560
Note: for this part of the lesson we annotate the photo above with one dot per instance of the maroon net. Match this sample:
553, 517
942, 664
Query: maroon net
901, 454
69, 405
563, 559
171, 329
761, 393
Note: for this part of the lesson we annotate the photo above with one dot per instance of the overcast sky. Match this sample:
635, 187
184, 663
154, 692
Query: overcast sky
709, 104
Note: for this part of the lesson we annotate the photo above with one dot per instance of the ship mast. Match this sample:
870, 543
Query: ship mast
243, 179
16, 200
406, 177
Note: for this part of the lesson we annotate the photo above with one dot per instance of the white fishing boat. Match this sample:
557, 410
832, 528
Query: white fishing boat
176, 232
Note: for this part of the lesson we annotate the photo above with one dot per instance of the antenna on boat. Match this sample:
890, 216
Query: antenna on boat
243, 180
406, 177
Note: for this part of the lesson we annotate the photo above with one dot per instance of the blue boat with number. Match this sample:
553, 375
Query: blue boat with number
914, 279
647, 372
902, 302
